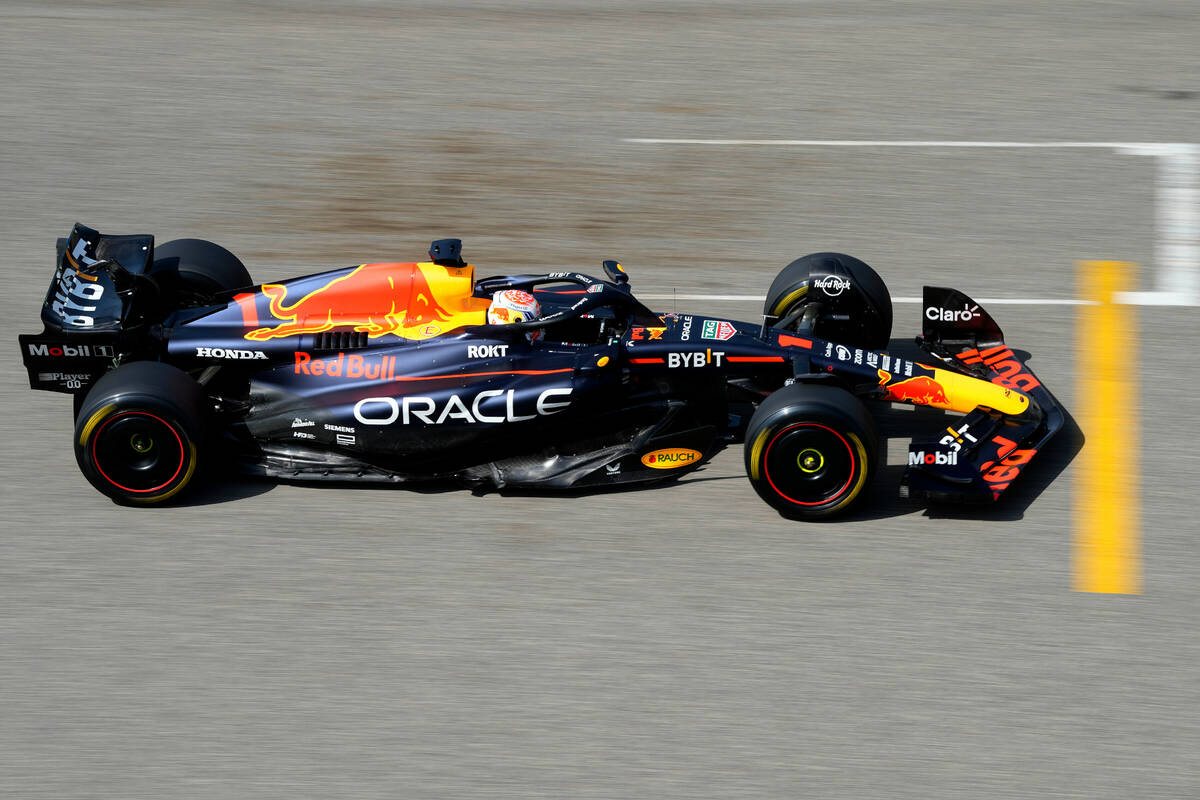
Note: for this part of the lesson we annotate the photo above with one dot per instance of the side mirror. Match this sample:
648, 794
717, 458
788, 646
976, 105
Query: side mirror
616, 273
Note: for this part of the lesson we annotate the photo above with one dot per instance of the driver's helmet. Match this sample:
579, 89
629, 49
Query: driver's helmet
514, 305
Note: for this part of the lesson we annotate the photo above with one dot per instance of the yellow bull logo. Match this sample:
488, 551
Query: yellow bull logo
377, 299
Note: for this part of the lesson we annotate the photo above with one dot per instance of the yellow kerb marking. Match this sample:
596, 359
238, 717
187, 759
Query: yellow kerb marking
1106, 548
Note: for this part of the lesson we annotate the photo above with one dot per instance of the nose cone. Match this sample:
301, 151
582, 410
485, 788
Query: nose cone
964, 393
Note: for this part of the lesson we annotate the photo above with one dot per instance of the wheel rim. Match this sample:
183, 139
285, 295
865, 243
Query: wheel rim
809, 464
138, 452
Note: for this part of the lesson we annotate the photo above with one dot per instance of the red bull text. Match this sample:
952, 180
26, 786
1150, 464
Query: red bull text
354, 366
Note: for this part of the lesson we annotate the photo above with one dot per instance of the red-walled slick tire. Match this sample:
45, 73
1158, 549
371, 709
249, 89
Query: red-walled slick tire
139, 433
811, 450
856, 305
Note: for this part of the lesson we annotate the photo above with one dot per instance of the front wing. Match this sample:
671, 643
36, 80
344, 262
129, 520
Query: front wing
977, 458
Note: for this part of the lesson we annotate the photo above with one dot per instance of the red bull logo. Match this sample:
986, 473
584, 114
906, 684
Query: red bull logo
376, 299
645, 334
921, 390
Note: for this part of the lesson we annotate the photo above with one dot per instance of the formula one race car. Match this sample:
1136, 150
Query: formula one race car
397, 372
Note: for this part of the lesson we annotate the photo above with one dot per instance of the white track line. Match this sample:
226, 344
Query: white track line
1177, 199
904, 143
756, 298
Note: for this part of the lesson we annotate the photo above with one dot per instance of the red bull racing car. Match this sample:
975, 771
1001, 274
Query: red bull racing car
395, 372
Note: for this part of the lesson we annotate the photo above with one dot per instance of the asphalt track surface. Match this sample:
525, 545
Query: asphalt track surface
271, 640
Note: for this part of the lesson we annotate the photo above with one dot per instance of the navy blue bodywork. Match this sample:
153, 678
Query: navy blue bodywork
599, 391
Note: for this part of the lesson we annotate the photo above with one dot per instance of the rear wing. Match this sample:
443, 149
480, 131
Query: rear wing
84, 309
83, 296
979, 456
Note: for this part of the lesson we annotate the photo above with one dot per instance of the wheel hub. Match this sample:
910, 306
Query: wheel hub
810, 460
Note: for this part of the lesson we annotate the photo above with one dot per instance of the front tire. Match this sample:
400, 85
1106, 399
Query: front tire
855, 304
139, 433
811, 450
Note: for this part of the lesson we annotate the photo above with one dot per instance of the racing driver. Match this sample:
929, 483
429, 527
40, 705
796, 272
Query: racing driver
514, 305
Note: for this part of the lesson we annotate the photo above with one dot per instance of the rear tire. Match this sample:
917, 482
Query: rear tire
194, 271
139, 433
864, 303
811, 450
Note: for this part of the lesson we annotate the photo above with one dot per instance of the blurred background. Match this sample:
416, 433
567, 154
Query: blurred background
269, 640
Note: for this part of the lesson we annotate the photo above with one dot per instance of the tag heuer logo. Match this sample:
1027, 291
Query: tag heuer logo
715, 329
